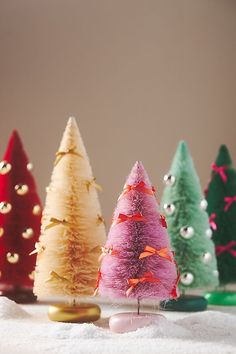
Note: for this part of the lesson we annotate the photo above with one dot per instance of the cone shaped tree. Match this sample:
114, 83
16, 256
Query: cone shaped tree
72, 230
188, 225
221, 197
137, 260
20, 215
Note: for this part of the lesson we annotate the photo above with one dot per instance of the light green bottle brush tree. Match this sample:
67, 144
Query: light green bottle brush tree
190, 232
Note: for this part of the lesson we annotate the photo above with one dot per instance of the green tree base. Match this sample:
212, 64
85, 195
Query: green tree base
185, 303
221, 298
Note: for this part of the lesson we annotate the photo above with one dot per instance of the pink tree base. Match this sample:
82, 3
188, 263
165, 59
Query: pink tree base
131, 321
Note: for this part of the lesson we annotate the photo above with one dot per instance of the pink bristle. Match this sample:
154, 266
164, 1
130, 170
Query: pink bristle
129, 239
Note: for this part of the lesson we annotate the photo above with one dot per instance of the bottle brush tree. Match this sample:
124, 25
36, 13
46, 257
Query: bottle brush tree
20, 214
221, 197
137, 261
185, 210
72, 232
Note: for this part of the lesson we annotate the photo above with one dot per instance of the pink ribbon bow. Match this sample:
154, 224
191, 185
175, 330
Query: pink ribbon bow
212, 221
229, 201
226, 248
221, 171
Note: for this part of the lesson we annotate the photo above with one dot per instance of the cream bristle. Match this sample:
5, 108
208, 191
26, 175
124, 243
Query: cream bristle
68, 265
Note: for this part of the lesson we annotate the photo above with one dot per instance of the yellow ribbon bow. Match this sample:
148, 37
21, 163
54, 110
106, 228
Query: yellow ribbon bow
56, 276
60, 154
56, 222
100, 220
92, 183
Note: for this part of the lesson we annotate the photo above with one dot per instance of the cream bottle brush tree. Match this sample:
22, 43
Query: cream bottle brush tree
72, 229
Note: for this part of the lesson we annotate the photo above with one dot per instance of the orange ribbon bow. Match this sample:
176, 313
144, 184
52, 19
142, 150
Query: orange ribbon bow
97, 282
133, 282
140, 187
149, 251
163, 221
124, 217
107, 251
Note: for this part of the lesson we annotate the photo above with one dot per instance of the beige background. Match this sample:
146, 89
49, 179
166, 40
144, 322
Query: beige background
138, 74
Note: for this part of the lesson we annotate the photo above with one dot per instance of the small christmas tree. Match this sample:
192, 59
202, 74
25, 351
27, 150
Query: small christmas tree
137, 260
221, 197
189, 229
20, 214
72, 232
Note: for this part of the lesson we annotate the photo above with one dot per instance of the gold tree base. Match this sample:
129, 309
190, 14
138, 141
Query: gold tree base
75, 313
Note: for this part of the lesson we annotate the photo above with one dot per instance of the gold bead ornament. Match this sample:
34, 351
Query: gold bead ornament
30, 166
5, 167
28, 233
21, 189
36, 209
5, 207
12, 258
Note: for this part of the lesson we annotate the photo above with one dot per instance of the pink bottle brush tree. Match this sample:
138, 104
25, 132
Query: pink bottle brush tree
137, 261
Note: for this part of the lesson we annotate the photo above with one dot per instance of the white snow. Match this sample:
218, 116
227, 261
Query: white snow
26, 329
9, 309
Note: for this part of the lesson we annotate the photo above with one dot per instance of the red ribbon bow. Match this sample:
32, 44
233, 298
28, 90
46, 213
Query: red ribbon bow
148, 277
212, 222
124, 217
149, 251
229, 201
226, 248
163, 221
140, 187
221, 171
97, 282
174, 292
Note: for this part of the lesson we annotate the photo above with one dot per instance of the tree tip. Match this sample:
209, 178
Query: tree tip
182, 149
15, 138
223, 157
71, 121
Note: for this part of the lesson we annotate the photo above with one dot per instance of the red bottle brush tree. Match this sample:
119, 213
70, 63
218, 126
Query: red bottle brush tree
20, 216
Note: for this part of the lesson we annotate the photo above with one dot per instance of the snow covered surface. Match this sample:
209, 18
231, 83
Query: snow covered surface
26, 329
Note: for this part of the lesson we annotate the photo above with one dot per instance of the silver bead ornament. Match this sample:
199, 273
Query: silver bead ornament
186, 278
169, 209
187, 232
208, 233
206, 257
203, 204
169, 180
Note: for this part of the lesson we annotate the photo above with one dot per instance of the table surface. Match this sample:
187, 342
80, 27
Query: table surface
195, 333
